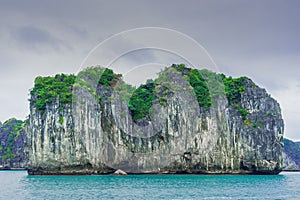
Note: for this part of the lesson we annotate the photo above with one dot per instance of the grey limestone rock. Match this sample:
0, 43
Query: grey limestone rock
98, 137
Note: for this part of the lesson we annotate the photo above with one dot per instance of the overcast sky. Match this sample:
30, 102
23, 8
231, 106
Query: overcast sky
259, 39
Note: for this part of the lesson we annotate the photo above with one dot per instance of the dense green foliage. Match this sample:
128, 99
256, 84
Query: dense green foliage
200, 88
47, 89
292, 150
109, 78
141, 100
234, 87
199, 84
90, 77
206, 85
17, 126
14, 128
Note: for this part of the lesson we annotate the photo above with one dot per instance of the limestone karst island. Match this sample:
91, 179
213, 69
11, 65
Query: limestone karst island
185, 121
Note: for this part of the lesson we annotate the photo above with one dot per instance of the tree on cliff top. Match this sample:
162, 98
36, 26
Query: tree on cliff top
206, 86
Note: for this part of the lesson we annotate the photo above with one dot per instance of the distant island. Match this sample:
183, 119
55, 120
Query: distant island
12, 145
291, 155
185, 121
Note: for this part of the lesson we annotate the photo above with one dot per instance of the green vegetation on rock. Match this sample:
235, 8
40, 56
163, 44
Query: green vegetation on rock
206, 85
234, 87
178, 128
88, 79
199, 84
17, 126
109, 78
47, 89
141, 100
13, 129
8, 154
214, 83
200, 87
61, 119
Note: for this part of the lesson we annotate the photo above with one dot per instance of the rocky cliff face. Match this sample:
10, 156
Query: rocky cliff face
97, 133
291, 155
12, 144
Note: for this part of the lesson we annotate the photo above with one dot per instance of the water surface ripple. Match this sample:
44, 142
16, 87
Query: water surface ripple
19, 185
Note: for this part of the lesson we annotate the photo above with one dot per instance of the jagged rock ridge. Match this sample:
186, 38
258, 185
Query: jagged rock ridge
198, 122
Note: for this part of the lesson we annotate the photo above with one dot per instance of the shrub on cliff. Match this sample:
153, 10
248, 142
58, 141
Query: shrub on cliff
47, 89
206, 85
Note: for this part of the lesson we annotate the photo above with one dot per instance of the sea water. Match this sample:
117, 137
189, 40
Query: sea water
19, 185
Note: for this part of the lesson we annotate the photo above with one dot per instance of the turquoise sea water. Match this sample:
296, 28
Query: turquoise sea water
19, 185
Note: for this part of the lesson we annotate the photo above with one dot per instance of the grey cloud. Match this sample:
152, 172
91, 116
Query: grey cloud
78, 31
254, 38
33, 38
143, 58
139, 56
